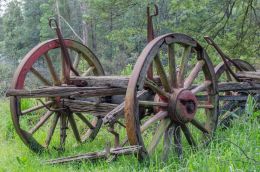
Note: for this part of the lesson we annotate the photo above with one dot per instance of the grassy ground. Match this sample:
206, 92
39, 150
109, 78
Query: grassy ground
233, 149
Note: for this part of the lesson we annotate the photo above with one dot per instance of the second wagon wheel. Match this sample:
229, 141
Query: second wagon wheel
41, 122
185, 103
229, 108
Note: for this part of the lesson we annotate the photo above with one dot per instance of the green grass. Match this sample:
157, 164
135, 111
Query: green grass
222, 154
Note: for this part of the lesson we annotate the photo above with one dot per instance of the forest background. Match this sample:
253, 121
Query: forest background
115, 30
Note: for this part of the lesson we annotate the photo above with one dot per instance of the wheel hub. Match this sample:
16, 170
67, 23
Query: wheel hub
182, 105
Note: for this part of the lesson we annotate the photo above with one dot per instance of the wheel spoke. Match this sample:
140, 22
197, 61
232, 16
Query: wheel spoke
74, 127
168, 135
206, 106
63, 128
229, 78
150, 103
193, 74
183, 66
197, 124
154, 87
85, 120
159, 116
172, 66
164, 124
36, 146
40, 77
177, 140
52, 129
43, 119
52, 71
201, 87
88, 71
188, 135
24, 112
65, 69
162, 74
76, 61
91, 133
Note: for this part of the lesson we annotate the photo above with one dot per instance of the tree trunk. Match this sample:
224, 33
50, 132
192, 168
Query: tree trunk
93, 36
85, 24
111, 29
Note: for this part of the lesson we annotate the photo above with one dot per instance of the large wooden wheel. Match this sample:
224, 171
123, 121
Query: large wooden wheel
43, 122
230, 108
185, 103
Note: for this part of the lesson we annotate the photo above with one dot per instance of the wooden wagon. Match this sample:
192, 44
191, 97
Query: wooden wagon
60, 96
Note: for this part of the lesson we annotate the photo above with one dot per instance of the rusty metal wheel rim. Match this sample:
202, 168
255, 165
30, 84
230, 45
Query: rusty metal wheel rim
26, 65
138, 81
229, 106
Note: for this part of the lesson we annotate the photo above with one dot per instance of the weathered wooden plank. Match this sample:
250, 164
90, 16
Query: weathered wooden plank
238, 86
87, 106
108, 81
96, 155
248, 74
238, 98
231, 86
234, 86
66, 91
230, 98
104, 81
233, 98
63, 91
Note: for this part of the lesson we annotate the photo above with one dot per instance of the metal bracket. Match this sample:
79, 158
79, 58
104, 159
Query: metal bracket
67, 66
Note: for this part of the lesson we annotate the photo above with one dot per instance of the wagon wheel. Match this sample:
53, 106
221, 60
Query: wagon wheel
229, 108
185, 102
42, 123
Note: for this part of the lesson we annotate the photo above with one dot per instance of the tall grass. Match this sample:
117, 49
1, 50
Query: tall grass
234, 149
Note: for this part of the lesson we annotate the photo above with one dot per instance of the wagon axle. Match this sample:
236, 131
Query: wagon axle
181, 105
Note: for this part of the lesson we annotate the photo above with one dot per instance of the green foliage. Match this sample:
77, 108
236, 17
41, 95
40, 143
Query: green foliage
222, 154
13, 31
6, 72
117, 28
32, 14
127, 70
233, 25
47, 12
251, 105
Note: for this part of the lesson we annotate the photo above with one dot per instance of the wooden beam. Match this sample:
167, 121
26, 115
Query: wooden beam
229, 98
238, 86
104, 81
64, 91
87, 106
249, 74
234, 86
101, 81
